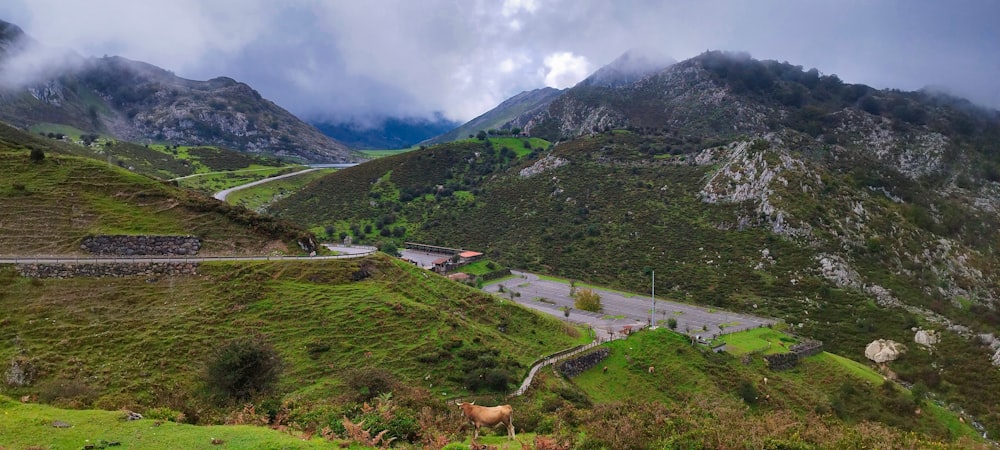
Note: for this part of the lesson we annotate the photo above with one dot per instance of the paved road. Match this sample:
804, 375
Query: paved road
620, 309
221, 195
70, 259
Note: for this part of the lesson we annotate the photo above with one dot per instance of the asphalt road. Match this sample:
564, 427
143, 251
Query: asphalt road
620, 310
221, 195
70, 259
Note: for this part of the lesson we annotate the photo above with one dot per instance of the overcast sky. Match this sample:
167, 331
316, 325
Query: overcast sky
342, 59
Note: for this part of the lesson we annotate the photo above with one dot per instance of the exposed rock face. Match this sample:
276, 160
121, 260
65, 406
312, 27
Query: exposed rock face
927, 338
139, 102
547, 163
884, 350
21, 372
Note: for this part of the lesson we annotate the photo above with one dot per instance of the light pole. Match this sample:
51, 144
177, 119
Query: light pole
652, 314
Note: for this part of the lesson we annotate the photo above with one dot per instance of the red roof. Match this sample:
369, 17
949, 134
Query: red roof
439, 261
470, 254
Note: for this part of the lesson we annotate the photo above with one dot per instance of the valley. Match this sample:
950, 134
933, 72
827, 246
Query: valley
825, 260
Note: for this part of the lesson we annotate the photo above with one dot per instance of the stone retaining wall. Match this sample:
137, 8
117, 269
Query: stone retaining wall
577, 365
785, 361
125, 245
781, 361
110, 269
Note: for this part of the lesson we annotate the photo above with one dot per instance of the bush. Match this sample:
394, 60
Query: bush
672, 323
37, 155
587, 300
243, 368
367, 384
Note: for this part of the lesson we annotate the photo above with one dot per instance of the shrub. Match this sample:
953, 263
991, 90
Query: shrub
367, 384
587, 300
37, 155
672, 323
243, 368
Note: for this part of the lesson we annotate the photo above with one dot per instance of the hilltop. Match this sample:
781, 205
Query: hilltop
139, 102
852, 213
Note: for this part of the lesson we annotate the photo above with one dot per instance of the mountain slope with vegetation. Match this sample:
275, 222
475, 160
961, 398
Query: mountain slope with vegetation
345, 346
527, 102
139, 102
50, 201
852, 213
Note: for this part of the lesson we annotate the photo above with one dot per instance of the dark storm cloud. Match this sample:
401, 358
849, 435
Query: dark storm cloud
340, 59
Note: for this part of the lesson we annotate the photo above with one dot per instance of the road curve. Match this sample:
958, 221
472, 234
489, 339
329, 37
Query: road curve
221, 195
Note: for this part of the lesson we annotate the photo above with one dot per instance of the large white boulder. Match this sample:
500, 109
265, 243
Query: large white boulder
927, 338
884, 350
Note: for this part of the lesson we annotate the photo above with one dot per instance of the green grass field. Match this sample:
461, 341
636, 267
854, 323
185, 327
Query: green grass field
30, 426
258, 197
764, 340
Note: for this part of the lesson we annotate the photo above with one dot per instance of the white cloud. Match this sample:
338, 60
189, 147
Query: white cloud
564, 69
511, 7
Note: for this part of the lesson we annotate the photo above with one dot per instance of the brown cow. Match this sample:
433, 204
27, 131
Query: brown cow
490, 416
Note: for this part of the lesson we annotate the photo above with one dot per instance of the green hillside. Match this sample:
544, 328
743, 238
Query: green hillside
48, 206
698, 399
145, 344
607, 208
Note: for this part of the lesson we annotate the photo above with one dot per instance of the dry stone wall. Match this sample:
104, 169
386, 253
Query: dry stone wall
110, 269
577, 365
125, 245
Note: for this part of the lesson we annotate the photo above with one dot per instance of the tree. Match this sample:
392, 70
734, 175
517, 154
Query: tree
37, 155
244, 367
672, 323
390, 248
481, 135
587, 300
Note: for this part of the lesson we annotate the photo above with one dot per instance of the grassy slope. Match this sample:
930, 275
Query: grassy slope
139, 343
48, 207
29, 426
686, 376
258, 197
615, 211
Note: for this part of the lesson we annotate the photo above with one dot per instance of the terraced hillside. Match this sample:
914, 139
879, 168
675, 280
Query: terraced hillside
47, 206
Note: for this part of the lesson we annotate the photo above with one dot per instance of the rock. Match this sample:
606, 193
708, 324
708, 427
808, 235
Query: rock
927, 338
131, 415
884, 350
60, 424
21, 372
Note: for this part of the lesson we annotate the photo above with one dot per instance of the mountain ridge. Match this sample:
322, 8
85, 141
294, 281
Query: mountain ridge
140, 102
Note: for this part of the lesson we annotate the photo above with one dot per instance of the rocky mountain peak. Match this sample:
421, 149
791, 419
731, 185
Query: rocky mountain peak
628, 68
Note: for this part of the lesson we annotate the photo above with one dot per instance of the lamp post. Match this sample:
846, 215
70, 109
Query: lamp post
652, 314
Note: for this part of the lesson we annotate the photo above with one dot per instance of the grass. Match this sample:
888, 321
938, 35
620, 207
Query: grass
687, 375
764, 340
479, 267
384, 153
50, 206
258, 197
30, 426
164, 329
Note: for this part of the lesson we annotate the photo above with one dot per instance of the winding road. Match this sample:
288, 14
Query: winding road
221, 195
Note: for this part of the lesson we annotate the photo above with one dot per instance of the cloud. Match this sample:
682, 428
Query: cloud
399, 57
564, 69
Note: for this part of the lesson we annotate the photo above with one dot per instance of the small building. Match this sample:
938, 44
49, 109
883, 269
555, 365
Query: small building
469, 256
442, 265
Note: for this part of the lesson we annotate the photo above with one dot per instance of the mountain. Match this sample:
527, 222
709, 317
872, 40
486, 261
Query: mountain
628, 68
139, 102
521, 104
387, 133
851, 213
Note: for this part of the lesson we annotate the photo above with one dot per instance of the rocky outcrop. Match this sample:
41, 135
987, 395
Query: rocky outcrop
927, 338
547, 163
884, 350
123, 245
101, 270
